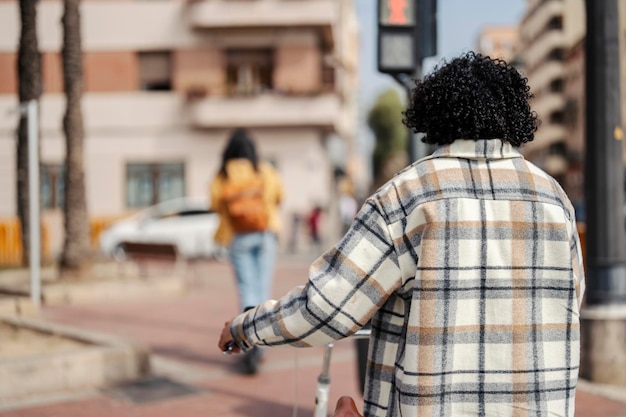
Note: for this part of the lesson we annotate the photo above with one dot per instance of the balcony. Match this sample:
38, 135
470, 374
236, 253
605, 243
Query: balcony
541, 48
323, 111
548, 104
217, 14
537, 20
545, 74
105, 111
546, 135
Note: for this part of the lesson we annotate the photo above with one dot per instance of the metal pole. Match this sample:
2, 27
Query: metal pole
603, 319
323, 385
33, 203
604, 168
415, 148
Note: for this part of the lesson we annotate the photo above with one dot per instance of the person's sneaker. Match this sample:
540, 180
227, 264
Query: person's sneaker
250, 361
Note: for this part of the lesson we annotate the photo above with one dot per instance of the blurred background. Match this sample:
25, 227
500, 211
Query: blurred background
132, 102
164, 81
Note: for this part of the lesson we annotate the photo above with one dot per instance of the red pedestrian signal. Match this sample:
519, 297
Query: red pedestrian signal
407, 33
396, 12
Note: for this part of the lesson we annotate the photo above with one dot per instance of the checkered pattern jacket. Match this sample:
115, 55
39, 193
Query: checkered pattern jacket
468, 264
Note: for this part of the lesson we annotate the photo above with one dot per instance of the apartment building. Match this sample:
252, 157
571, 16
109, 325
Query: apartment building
499, 42
165, 82
555, 30
548, 31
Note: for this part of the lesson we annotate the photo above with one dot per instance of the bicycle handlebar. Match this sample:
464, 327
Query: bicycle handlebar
362, 334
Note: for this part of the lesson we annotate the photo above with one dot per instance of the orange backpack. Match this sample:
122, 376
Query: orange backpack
245, 205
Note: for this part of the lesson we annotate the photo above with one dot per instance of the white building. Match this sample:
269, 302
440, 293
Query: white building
166, 81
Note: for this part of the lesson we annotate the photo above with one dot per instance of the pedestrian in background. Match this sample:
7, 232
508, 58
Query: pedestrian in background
468, 263
348, 208
246, 193
313, 222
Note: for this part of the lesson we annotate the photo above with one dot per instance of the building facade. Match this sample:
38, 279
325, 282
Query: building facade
549, 31
499, 42
165, 83
560, 143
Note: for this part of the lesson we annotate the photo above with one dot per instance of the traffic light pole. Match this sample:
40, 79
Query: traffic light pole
603, 332
416, 149
407, 33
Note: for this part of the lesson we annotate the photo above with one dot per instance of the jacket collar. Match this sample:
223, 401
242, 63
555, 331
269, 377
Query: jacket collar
481, 149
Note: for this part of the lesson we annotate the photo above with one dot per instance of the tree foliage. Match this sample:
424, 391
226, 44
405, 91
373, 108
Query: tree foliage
385, 121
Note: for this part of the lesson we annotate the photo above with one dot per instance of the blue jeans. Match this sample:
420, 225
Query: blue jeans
253, 256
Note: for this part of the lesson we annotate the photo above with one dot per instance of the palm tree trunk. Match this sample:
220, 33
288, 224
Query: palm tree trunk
75, 259
29, 86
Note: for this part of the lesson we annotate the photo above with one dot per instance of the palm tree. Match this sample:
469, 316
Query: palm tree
75, 258
29, 86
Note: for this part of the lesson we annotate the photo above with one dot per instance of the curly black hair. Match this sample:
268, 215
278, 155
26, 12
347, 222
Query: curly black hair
472, 97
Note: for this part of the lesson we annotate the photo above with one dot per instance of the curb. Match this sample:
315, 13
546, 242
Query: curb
17, 306
104, 360
611, 392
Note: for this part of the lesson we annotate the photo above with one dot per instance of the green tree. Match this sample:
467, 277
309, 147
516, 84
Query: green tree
75, 258
385, 121
29, 88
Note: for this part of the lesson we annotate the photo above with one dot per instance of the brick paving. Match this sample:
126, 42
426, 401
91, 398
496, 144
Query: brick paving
182, 333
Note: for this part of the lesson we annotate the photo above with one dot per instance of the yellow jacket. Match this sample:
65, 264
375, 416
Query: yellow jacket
240, 170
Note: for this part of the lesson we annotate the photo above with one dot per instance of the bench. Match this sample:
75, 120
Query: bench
137, 250
144, 253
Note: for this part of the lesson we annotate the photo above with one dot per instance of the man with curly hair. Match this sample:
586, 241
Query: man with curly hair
467, 263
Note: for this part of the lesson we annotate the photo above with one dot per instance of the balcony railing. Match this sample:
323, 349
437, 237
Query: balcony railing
535, 22
267, 110
547, 104
231, 14
545, 74
106, 111
546, 135
538, 51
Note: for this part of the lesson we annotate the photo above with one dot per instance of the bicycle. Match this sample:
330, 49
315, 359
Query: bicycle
323, 380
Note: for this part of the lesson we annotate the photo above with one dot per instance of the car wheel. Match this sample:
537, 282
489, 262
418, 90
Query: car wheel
220, 254
119, 254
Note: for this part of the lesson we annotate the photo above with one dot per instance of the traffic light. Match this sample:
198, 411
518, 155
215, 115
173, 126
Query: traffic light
396, 13
427, 28
406, 34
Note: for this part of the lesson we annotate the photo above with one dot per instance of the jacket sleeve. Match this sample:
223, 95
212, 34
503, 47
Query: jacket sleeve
346, 286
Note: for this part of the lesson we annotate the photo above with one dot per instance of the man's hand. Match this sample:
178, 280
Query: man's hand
226, 343
346, 408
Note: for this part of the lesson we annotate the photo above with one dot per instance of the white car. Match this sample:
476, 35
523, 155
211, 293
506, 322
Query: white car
187, 223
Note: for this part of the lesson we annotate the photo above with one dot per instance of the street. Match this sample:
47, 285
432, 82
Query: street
192, 378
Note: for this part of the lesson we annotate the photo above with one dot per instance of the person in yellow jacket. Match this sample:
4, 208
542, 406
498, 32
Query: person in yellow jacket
252, 253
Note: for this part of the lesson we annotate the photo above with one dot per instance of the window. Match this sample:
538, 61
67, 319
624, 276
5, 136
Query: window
249, 71
556, 23
155, 71
557, 117
556, 55
557, 86
570, 112
328, 78
558, 148
52, 186
151, 183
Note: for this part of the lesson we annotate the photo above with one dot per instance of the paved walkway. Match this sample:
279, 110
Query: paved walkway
182, 332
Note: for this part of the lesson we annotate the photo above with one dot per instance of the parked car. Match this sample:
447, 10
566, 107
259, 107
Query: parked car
187, 223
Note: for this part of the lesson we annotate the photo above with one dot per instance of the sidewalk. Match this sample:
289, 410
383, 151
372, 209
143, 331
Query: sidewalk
182, 332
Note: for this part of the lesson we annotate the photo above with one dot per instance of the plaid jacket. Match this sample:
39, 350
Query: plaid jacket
468, 264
